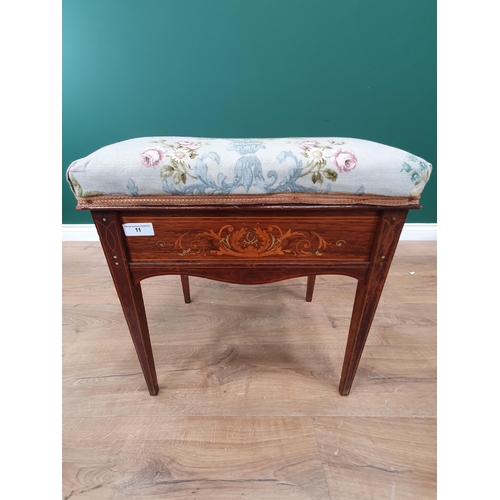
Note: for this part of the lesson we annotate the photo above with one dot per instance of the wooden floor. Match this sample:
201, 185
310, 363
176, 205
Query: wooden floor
249, 404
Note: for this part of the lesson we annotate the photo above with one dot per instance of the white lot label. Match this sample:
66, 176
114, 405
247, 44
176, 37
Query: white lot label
138, 229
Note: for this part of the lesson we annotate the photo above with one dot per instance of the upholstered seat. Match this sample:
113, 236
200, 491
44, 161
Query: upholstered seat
319, 170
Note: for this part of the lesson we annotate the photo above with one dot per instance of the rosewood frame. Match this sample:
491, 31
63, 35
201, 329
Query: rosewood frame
370, 264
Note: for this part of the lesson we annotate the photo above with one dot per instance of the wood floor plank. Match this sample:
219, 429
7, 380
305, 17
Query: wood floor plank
201, 322
251, 379
192, 457
378, 458
84, 258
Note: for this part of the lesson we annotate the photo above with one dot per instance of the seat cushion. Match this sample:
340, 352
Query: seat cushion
190, 170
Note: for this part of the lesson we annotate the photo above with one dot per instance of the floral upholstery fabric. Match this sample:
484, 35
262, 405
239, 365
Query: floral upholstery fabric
190, 166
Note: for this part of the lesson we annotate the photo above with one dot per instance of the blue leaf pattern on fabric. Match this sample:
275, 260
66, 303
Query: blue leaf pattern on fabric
201, 169
289, 185
248, 172
246, 168
132, 188
418, 171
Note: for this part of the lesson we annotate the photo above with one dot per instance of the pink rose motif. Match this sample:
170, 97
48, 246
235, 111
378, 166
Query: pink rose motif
189, 145
308, 144
152, 157
345, 161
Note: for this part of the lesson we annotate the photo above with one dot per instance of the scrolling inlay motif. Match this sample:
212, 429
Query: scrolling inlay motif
249, 242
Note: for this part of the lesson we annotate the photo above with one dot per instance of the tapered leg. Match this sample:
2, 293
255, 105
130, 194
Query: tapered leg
362, 317
310, 287
130, 294
185, 288
368, 293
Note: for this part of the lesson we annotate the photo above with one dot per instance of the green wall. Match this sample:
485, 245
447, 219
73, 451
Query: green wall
254, 68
